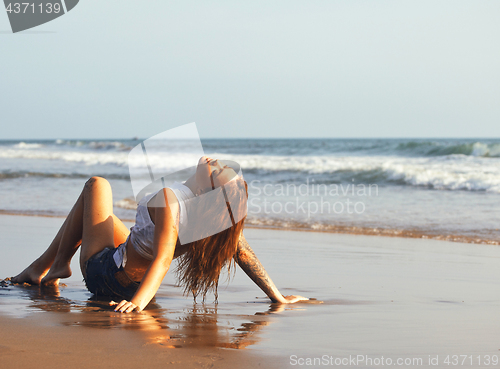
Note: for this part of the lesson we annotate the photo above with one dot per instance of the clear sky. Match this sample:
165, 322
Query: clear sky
118, 69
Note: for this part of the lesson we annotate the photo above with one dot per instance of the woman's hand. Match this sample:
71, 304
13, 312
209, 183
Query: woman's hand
124, 306
292, 299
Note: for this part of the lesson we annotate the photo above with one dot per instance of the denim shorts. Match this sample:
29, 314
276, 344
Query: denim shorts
104, 278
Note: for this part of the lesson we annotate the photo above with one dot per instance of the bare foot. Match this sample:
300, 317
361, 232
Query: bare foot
32, 275
55, 273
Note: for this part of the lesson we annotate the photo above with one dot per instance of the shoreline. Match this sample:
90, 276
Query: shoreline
334, 229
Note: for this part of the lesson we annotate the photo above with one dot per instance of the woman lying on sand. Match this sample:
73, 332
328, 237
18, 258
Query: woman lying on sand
131, 265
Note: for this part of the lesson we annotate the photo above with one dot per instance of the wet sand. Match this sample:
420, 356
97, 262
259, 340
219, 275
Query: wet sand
45, 342
385, 297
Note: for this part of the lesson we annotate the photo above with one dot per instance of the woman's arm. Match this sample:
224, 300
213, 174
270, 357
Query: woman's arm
165, 239
246, 259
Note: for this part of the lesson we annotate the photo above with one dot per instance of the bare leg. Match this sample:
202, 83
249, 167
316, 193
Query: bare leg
91, 223
39, 268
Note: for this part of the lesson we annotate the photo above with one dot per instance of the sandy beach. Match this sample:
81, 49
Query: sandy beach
382, 299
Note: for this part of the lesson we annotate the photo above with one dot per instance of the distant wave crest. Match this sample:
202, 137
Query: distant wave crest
437, 148
95, 145
441, 173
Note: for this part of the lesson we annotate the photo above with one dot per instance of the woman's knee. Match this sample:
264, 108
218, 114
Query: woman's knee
96, 182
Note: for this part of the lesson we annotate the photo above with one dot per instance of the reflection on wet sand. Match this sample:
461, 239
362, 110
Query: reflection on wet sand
198, 325
47, 298
203, 326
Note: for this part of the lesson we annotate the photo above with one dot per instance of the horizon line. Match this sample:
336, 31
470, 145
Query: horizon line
259, 138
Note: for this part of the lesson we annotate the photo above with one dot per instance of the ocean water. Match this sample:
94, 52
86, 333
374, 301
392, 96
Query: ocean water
431, 188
